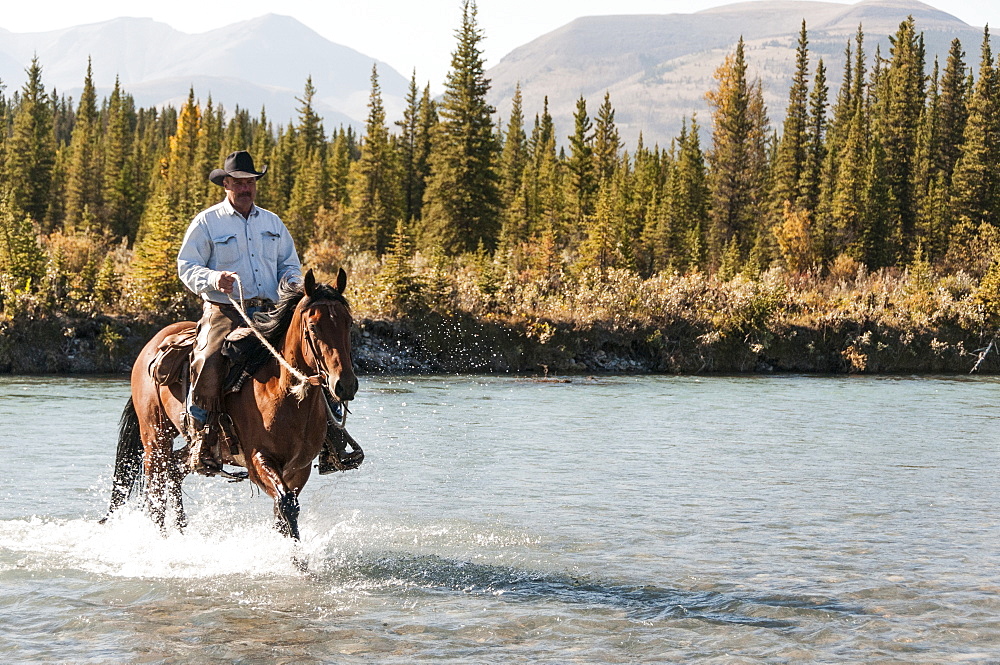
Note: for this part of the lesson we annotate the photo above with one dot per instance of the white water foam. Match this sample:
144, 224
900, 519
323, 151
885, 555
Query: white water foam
129, 545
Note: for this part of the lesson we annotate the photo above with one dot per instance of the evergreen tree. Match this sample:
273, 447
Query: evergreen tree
975, 182
687, 200
83, 180
607, 142
899, 99
462, 201
513, 162
848, 204
339, 167
31, 148
793, 147
810, 179
181, 166
209, 155
375, 207
153, 272
547, 192
514, 155
308, 163
397, 281
21, 256
239, 134
952, 113
261, 144
879, 240
738, 158
122, 186
426, 129
407, 149
281, 172
580, 166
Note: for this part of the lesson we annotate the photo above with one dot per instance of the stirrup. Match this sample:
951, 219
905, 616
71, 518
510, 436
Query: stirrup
198, 460
234, 476
334, 456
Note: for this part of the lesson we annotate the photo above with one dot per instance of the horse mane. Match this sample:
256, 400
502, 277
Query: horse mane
248, 354
274, 324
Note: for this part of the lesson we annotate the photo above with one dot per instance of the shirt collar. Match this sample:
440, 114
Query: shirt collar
230, 210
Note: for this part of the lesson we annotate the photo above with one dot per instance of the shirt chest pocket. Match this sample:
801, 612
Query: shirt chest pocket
226, 250
269, 241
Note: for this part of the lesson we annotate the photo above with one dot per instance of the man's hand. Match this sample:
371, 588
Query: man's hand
226, 281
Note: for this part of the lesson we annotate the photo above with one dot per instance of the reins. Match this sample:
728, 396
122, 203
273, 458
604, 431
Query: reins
299, 389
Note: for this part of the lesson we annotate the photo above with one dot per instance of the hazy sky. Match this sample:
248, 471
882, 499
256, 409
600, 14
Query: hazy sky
406, 34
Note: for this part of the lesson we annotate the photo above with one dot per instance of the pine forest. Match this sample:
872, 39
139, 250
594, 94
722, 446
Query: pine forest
860, 233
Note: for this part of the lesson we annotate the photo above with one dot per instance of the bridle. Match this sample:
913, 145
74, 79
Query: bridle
336, 409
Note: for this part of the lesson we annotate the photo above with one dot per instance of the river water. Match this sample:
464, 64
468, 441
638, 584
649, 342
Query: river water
499, 520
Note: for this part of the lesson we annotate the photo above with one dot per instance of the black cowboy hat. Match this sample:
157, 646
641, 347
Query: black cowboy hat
238, 164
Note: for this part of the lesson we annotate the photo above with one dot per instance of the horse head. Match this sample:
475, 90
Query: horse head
326, 335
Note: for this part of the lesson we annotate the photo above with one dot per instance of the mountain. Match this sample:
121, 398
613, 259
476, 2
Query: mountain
657, 68
261, 62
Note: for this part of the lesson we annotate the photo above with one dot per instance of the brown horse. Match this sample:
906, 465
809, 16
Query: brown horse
279, 432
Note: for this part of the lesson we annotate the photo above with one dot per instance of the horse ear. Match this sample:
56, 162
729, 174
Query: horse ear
310, 282
341, 280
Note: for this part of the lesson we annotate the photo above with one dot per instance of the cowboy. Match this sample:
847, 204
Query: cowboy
232, 246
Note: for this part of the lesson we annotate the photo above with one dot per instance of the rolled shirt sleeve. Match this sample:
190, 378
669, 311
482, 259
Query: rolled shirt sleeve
258, 249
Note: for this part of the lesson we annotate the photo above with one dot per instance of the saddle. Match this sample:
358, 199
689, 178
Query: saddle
244, 352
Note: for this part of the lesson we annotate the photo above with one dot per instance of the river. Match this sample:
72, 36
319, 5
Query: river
779, 519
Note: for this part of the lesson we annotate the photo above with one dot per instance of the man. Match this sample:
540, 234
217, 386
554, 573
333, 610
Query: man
231, 239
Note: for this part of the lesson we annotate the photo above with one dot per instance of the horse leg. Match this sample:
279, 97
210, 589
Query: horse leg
158, 462
176, 496
286, 502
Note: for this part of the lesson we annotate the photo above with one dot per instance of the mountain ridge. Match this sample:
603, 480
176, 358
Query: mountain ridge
656, 67
663, 63
269, 54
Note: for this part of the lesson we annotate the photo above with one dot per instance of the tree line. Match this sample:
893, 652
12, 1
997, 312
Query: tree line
899, 167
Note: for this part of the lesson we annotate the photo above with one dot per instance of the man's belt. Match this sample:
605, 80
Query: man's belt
263, 303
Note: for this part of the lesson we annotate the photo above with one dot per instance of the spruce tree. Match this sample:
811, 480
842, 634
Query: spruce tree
975, 182
952, 113
899, 99
374, 183
31, 148
607, 141
153, 272
409, 128
580, 166
738, 158
21, 255
462, 201
426, 129
688, 200
184, 189
309, 189
261, 144
513, 162
83, 179
397, 281
793, 147
810, 179
121, 186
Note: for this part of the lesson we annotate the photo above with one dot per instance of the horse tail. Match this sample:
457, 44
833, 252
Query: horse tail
128, 462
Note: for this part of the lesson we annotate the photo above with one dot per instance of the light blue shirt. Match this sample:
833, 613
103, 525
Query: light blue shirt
258, 249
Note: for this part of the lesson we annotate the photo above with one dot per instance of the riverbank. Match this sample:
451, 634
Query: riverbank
432, 344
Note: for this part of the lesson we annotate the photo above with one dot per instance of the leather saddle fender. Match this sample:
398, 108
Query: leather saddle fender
172, 357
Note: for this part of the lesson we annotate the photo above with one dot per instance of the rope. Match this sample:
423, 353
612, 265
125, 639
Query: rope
299, 389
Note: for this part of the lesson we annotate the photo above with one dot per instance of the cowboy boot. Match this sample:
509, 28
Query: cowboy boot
203, 458
334, 455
